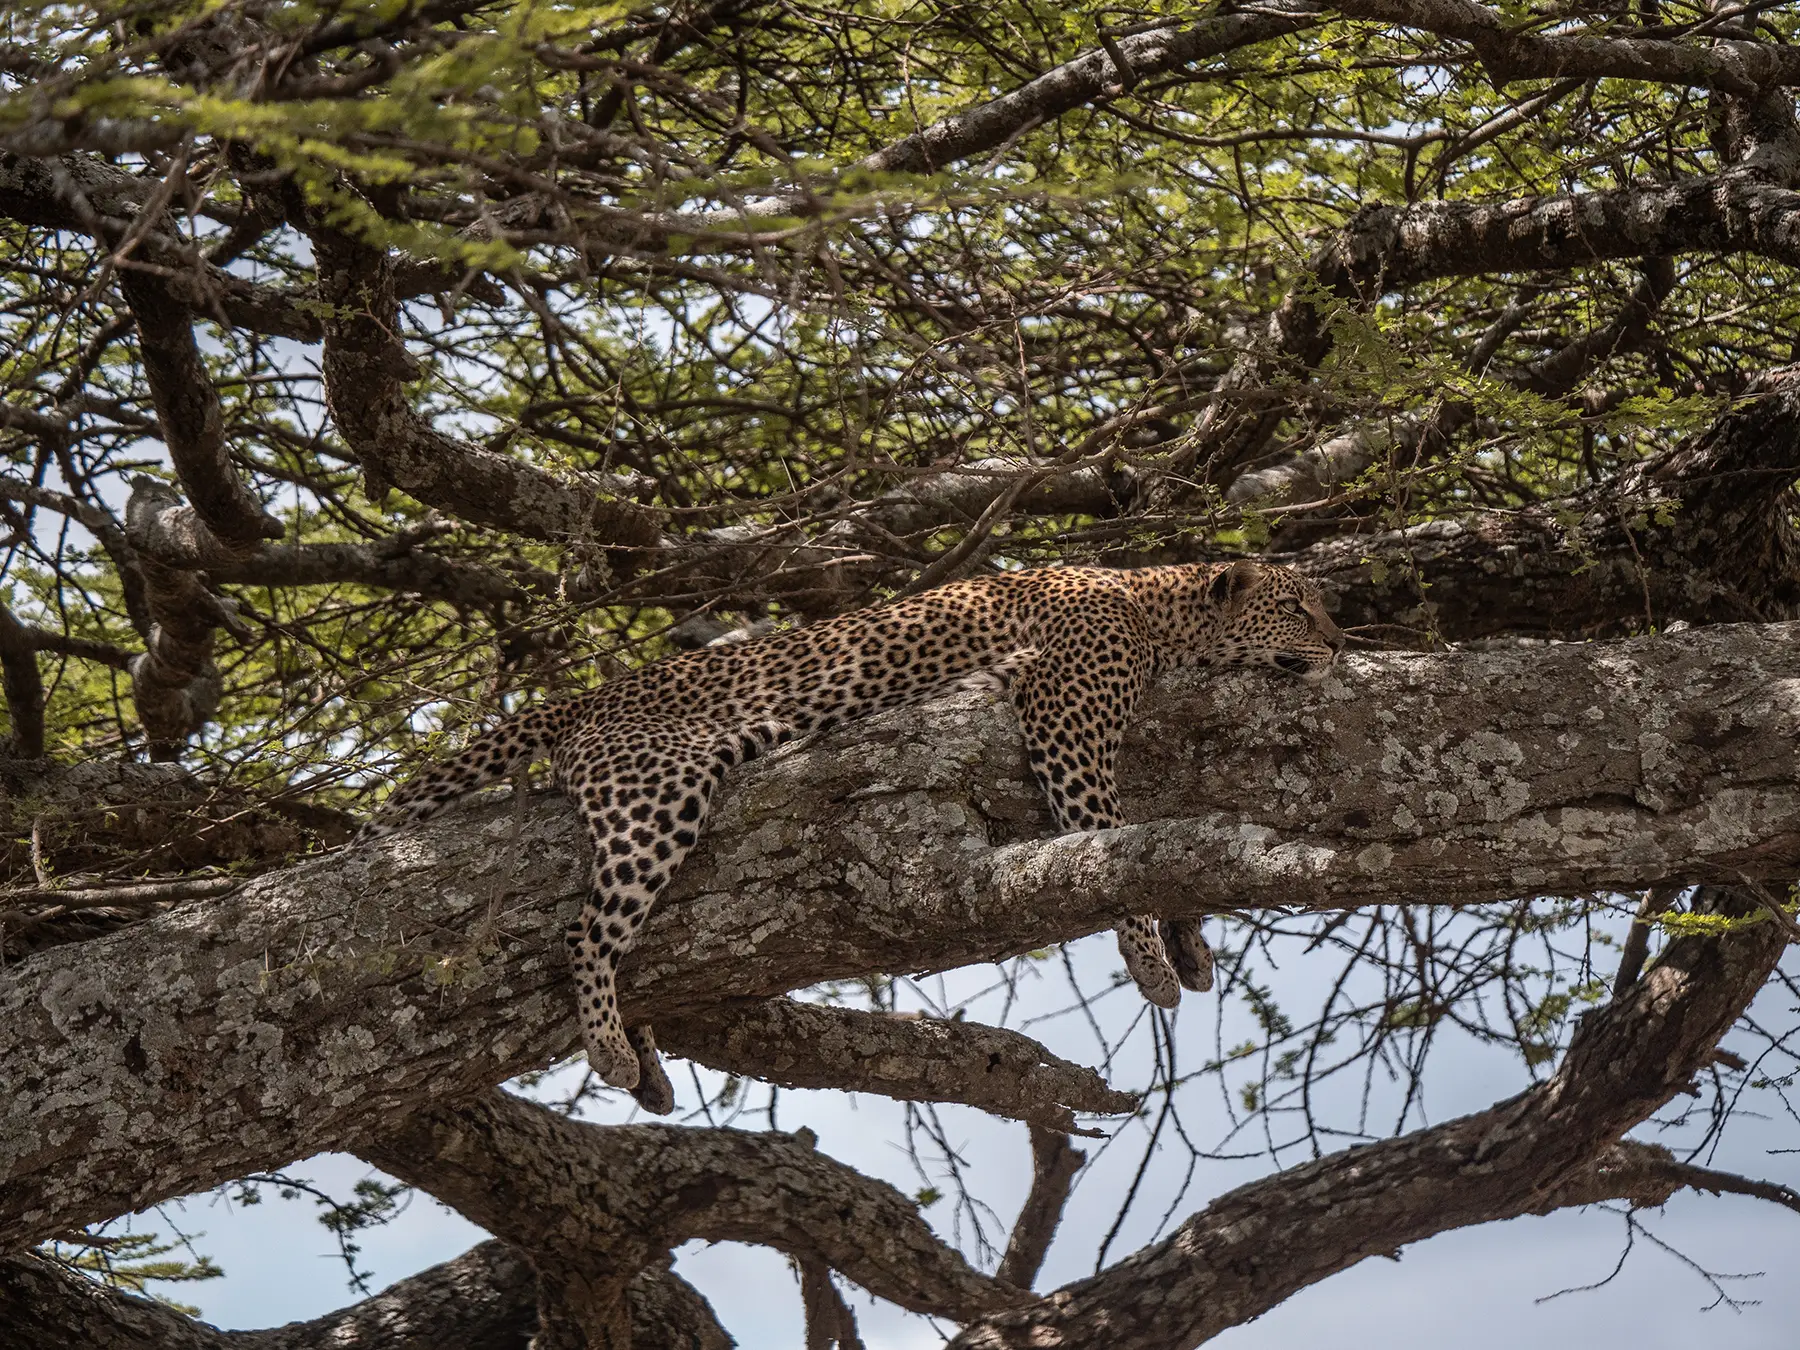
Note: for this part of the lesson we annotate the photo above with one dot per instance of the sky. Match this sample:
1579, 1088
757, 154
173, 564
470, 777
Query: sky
1491, 1286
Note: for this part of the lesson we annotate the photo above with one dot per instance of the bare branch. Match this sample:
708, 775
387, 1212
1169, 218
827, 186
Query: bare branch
80, 193
1092, 75
1551, 1146
1054, 1164
174, 683
22, 685
1388, 248
187, 405
829, 1321
366, 370
912, 1059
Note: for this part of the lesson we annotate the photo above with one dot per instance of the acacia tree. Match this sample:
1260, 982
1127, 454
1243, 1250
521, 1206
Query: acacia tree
372, 368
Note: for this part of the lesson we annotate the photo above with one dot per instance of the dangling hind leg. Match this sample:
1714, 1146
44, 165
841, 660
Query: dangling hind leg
642, 821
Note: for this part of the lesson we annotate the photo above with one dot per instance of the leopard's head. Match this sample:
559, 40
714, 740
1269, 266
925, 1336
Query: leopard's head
1271, 616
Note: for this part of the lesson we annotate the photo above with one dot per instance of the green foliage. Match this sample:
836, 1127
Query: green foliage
133, 1262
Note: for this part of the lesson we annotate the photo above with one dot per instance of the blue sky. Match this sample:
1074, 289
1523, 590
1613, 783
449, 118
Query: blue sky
1475, 1288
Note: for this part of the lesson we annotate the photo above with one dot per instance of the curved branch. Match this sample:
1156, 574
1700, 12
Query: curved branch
593, 1204
85, 195
367, 368
187, 406
1092, 75
1736, 67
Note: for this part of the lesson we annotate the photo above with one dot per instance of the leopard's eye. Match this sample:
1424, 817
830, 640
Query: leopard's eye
1291, 606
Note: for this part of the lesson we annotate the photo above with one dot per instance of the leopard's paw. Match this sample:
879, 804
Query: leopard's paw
1189, 953
614, 1062
1142, 949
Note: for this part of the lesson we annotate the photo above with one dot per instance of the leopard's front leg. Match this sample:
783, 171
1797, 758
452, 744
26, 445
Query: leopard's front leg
1074, 700
644, 794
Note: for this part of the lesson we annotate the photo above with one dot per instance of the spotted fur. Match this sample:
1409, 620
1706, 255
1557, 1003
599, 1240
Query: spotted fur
643, 757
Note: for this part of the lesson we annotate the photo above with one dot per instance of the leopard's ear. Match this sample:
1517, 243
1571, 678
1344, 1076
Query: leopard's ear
1231, 585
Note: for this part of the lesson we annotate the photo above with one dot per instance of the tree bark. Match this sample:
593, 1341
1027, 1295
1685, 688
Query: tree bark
485, 1299
321, 1003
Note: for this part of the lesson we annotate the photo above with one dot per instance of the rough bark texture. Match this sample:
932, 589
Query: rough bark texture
1054, 1163
486, 1299
909, 1058
596, 1205
174, 682
320, 1004
158, 814
22, 685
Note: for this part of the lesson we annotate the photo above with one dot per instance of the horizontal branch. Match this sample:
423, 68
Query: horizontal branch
398, 563
317, 1005
803, 1045
90, 814
1732, 66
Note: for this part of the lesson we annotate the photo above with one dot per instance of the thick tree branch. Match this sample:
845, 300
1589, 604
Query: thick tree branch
158, 816
1736, 67
912, 1059
321, 1003
485, 1299
174, 683
593, 1205
829, 1321
1552, 1146
22, 686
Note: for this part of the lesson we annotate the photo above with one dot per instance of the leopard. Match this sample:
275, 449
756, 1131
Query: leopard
1073, 648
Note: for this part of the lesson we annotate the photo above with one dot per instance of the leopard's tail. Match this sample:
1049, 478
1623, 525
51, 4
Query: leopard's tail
495, 754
